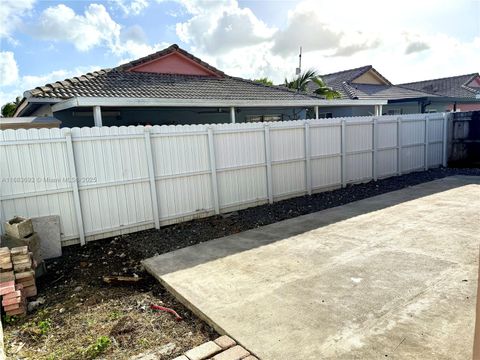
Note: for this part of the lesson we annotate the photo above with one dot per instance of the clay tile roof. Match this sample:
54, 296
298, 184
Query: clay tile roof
454, 86
119, 82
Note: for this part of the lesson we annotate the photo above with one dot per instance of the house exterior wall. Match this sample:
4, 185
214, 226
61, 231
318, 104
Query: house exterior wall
44, 110
172, 116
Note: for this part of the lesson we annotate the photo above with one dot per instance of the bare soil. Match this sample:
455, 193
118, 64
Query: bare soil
85, 318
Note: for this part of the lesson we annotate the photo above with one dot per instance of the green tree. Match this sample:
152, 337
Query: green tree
264, 81
307, 77
9, 108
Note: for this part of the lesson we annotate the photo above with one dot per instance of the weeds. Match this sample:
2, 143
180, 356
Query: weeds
94, 350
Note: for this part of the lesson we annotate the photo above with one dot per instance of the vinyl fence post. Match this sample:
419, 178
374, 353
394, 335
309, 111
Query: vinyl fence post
374, 147
399, 146
445, 139
151, 176
426, 143
74, 182
344, 153
268, 161
308, 160
213, 169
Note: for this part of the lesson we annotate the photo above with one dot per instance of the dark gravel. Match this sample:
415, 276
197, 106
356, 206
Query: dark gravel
129, 250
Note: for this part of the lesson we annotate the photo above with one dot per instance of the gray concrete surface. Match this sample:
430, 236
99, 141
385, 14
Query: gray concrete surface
393, 276
48, 230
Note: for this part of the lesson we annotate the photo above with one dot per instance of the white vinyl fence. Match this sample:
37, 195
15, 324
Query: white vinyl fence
112, 180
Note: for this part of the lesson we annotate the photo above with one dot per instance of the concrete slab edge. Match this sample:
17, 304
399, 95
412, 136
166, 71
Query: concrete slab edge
189, 305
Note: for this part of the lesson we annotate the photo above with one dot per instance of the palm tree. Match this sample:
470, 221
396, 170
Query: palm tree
311, 76
324, 90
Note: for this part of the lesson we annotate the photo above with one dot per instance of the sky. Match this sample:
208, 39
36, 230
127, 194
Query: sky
408, 40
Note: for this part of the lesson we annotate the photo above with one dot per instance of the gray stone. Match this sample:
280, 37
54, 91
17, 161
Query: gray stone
48, 230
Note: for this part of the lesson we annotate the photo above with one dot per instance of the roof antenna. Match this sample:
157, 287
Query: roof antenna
299, 69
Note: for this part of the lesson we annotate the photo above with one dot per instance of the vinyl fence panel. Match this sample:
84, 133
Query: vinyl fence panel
113, 180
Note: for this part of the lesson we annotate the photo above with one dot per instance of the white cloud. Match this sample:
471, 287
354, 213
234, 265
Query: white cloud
11, 13
219, 27
28, 82
95, 27
132, 7
8, 68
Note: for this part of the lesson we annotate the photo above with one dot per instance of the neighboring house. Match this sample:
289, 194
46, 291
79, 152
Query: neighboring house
366, 83
169, 87
34, 122
458, 87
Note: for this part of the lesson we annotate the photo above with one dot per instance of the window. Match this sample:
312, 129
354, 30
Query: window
394, 112
263, 118
325, 115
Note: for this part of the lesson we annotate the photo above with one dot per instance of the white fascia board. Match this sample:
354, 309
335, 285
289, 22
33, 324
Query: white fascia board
156, 102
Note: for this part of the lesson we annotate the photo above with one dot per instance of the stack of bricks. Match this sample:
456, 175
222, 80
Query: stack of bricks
24, 269
223, 348
17, 279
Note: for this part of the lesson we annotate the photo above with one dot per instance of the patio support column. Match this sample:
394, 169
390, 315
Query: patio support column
316, 111
232, 115
97, 115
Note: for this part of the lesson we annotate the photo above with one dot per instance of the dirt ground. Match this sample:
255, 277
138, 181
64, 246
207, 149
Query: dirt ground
84, 318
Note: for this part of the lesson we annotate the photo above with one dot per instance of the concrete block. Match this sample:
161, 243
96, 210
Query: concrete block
203, 351
225, 342
48, 230
18, 227
235, 353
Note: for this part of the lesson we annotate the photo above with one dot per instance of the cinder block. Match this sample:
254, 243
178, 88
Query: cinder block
19, 227
225, 342
203, 351
235, 353
48, 230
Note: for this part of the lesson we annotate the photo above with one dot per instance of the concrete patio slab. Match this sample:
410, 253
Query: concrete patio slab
393, 276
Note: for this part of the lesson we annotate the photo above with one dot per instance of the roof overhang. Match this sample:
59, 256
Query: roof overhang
436, 98
31, 103
156, 102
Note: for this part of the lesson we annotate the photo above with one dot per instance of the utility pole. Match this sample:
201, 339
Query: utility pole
298, 70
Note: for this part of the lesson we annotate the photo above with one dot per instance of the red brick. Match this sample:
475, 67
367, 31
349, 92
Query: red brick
11, 301
7, 283
235, 353
204, 351
12, 294
6, 290
14, 307
19, 311
225, 342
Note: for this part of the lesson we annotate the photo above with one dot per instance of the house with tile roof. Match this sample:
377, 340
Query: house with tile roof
366, 83
169, 87
459, 87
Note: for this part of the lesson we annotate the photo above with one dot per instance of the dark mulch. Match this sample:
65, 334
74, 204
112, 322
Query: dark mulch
74, 281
